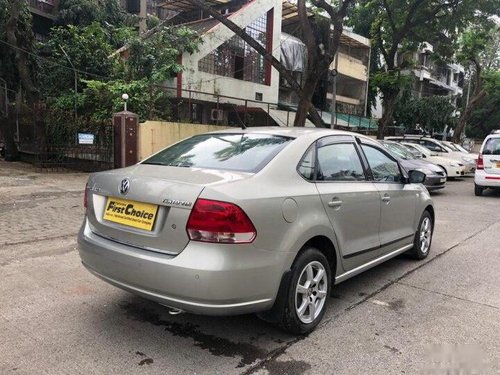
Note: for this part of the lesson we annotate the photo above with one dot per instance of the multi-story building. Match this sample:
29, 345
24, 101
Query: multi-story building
226, 81
351, 66
432, 78
44, 14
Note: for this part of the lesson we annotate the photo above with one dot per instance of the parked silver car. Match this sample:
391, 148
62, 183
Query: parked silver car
260, 220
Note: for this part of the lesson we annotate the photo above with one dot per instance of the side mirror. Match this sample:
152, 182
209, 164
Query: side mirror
416, 177
424, 156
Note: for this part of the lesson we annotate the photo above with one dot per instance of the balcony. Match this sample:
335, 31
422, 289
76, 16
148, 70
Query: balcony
45, 8
351, 67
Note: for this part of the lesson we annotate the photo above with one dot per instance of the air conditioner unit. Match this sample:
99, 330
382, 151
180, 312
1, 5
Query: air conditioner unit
216, 115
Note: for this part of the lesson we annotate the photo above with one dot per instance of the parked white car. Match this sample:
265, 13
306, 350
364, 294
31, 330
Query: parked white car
459, 148
452, 167
488, 164
468, 160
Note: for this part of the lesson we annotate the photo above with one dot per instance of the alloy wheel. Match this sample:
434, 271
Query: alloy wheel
311, 292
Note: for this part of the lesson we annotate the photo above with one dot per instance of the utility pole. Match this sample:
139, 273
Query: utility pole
143, 15
76, 79
334, 72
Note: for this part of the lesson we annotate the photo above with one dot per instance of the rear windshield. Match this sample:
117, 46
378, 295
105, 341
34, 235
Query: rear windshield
237, 152
492, 147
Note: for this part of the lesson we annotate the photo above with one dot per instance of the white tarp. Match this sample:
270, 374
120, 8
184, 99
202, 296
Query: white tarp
293, 53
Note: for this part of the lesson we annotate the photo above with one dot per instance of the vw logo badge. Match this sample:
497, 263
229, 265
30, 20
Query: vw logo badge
124, 186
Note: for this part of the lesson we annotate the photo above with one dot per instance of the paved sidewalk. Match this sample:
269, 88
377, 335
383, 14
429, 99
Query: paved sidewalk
37, 206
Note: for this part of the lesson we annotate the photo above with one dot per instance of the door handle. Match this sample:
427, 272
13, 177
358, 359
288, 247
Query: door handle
335, 203
386, 198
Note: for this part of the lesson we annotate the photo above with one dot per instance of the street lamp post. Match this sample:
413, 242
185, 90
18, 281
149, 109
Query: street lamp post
125, 98
334, 72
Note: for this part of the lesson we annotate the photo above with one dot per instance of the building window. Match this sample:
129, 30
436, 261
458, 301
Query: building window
238, 60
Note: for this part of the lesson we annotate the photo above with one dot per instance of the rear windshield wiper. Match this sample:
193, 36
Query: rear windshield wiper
153, 163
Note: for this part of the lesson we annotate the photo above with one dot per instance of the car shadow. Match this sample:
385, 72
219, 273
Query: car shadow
244, 338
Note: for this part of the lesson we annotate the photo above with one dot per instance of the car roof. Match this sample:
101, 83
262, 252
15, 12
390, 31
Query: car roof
294, 132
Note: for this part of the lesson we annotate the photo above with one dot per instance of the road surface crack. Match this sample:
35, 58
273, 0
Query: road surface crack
449, 295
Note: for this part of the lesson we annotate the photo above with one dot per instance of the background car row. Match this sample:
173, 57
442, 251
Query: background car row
425, 154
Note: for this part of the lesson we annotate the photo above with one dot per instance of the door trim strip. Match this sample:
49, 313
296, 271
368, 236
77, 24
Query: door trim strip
376, 247
373, 263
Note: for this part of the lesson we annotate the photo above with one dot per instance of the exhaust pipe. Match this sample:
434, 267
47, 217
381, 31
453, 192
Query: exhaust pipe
173, 310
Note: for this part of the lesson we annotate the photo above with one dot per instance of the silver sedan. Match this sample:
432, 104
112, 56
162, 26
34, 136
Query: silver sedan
261, 220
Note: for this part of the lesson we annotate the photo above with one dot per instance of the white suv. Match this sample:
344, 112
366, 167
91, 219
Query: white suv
488, 164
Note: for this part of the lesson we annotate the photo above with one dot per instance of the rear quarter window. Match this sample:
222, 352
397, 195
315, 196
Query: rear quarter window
237, 152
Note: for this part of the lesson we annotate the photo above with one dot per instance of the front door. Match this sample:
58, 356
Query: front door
351, 201
397, 199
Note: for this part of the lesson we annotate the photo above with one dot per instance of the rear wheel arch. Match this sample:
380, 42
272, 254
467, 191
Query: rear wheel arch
325, 246
430, 209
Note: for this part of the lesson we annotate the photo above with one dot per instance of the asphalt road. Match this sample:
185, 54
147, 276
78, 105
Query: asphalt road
439, 316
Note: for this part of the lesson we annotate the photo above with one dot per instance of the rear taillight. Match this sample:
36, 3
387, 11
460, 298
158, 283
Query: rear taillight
479, 162
86, 196
221, 222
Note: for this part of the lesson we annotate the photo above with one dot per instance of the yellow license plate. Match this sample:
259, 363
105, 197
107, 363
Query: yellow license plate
498, 165
134, 214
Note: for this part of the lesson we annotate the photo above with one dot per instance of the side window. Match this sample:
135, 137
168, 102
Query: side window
306, 166
383, 168
432, 146
339, 162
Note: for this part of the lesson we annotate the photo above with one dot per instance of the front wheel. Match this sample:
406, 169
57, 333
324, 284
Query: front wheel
423, 237
308, 292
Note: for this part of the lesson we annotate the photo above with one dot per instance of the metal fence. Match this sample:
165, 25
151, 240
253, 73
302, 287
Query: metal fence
86, 158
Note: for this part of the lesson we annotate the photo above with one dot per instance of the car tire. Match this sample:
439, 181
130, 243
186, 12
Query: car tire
423, 237
446, 173
306, 297
478, 190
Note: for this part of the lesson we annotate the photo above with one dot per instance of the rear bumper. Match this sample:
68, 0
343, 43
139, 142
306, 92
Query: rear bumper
481, 178
208, 279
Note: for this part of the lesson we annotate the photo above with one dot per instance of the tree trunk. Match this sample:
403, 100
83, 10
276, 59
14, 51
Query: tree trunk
7, 130
21, 60
388, 106
305, 102
315, 117
473, 104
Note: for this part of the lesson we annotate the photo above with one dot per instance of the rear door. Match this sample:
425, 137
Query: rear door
491, 155
397, 199
350, 200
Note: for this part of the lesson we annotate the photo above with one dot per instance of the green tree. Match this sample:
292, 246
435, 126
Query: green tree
432, 112
87, 48
401, 26
17, 65
479, 49
486, 116
86, 12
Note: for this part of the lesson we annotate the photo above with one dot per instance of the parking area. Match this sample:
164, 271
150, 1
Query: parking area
439, 316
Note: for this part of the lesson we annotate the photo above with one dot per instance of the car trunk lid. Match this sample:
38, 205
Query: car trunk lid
153, 212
